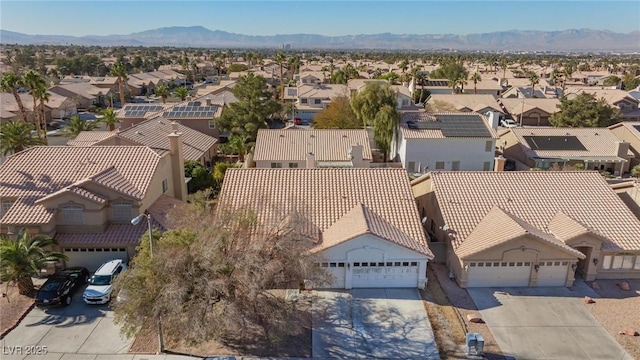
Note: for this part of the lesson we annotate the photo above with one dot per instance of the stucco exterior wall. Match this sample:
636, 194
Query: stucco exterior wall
470, 152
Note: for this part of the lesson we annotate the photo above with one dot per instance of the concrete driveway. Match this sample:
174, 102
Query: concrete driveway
78, 331
545, 323
371, 323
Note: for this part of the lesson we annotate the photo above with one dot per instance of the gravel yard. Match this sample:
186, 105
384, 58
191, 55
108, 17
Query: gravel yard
461, 300
13, 307
617, 309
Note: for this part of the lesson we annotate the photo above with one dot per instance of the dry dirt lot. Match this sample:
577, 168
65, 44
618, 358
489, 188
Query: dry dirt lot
13, 307
617, 309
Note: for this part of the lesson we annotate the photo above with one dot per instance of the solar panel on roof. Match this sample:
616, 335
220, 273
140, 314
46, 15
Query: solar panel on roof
554, 143
454, 125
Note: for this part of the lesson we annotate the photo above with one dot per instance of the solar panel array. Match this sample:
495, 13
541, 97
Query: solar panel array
140, 110
194, 103
437, 83
454, 125
554, 143
191, 112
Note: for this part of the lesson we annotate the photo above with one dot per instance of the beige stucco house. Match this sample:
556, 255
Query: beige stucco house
362, 222
528, 228
544, 148
85, 197
629, 131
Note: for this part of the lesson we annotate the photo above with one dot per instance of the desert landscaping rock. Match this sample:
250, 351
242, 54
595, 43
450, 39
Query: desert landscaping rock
588, 300
629, 331
624, 286
474, 318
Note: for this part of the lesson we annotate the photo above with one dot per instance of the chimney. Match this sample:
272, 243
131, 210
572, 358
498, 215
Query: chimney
498, 164
355, 155
622, 148
208, 101
174, 126
189, 98
493, 120
177, 166
311, 161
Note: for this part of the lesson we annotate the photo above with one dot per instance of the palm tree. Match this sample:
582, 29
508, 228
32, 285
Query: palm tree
16, 136
43, 95
35, 83
24, 257
535, 80
10, 82
118, 69
109, 118
475, 78
280, 60
182, 92
76, 126
163, 92
504, 63
194, 66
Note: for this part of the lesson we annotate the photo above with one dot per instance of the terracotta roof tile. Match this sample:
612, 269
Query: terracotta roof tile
39, 171
93, 196
327, 195
294, 144
487, 235
23, 211
536, 197
88, 138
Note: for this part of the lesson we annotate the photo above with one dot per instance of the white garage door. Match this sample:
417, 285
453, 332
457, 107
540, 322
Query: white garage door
498, 274
384, 274
553, 273
92, 258
338, 271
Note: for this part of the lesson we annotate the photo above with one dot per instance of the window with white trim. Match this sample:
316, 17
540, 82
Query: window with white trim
293, 165
275, 165
121, 211
620, 262
317, 101
486, 166
439, 165
72, 215
212, 124
488, 146
303, 101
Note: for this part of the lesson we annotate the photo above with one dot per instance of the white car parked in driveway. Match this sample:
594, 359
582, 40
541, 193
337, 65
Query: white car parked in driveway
508, 123
100, 284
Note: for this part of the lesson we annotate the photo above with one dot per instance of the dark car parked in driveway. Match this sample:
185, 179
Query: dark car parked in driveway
80, 274
57, 290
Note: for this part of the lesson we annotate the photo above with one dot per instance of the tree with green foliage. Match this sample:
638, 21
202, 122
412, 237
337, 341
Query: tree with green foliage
219, 169
342, 76
236, 67
630, 82
534, 79
612, 81
119, 70
476, 78
109, 118
281, 59
233, 262
76, 126
15, 136
385, 128
635, 171
10, 82
36, 85
163, 92
338, 115
43, 96
24, 257
200, 177
182, 92
454, 71
367, 103
584, 111
238, 144
252, 109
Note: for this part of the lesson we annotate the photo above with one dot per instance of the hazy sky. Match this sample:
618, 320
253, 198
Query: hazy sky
91, 17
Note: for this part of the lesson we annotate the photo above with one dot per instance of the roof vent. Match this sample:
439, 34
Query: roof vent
138, 132
313, 136
596, 134
281, 135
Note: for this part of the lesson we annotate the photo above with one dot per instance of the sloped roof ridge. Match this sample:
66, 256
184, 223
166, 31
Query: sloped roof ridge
97, 178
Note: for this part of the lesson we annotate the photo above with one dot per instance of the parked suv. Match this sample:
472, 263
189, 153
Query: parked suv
100, 284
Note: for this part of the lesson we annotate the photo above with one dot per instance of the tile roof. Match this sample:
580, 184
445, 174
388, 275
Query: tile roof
324, 91
536, 197
474, 102
423, 116
515, 106
598, 142
88, 138
326, 196
154, 134
633, 127
499, 227
42, 170
294, 144
89, 195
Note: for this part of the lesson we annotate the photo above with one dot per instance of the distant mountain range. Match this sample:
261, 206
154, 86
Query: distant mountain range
573, 40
